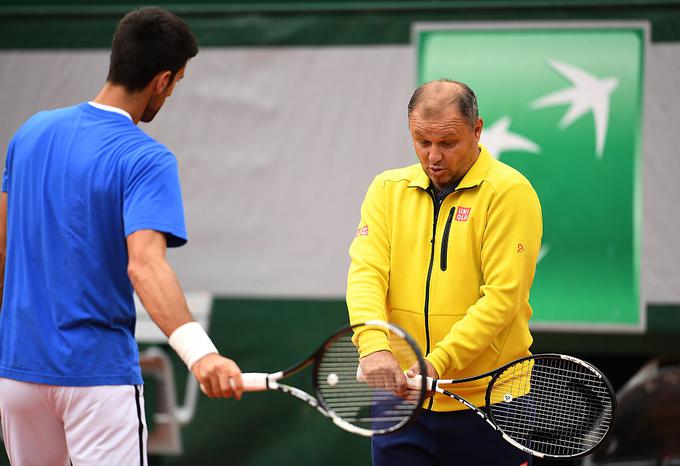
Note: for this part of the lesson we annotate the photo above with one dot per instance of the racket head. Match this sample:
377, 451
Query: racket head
551, 405
354, 405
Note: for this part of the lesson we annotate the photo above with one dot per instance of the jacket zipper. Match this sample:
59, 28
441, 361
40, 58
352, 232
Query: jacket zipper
429, 271
437, 205
445, 240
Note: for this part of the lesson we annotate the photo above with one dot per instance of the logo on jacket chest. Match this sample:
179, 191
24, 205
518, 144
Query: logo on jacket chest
462, 214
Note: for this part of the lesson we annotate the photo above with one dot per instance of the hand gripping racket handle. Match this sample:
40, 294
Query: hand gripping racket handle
255, 381
414, 383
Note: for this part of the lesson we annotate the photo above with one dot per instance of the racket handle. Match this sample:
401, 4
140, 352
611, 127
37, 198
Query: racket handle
254, 381
413, 383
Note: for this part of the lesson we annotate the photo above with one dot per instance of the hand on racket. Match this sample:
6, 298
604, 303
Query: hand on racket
414, 371
382, 371
353, 405
368, 368
549, 405
219, 377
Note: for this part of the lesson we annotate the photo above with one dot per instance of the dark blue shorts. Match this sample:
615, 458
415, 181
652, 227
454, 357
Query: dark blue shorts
459, 438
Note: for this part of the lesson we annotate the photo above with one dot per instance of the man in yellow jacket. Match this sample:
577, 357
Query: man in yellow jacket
447, 250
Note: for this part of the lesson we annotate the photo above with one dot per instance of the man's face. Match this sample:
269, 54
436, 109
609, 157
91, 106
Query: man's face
158, 98
445, 143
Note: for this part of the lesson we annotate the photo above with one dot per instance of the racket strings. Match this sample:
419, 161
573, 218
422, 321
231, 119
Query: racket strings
553, 406
360, 403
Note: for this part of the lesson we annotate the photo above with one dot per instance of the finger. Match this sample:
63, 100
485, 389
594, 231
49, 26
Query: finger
413, 370
387, 382
375, 381
204, 383
206, 387
237, 384
400, 382
224, 382
392, 382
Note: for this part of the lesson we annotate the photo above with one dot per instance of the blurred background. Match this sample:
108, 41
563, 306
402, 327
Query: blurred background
291, 108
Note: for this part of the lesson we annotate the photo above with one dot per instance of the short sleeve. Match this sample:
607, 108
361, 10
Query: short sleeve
153, 197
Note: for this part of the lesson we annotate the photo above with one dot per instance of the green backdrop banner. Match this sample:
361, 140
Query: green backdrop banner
56, 24
563, 105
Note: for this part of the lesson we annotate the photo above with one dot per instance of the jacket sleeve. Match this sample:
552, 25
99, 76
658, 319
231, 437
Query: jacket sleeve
368, 276
510, 245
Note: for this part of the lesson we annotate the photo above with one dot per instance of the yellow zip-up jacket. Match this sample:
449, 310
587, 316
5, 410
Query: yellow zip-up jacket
456, 276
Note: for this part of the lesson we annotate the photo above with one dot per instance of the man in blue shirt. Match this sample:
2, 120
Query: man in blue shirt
89, 205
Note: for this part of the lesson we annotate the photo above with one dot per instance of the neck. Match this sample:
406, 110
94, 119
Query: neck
117, 96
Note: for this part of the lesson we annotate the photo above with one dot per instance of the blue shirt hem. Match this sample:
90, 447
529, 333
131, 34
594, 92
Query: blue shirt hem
71, 381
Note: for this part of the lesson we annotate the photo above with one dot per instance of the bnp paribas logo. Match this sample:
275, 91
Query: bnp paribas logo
563, 106
587, 94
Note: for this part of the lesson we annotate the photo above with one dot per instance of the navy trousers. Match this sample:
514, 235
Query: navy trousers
459, 438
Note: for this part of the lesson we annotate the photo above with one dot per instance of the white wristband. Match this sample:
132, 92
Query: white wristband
191, 343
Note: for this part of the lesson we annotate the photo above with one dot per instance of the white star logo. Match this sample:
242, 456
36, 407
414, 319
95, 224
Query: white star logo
497, 139
588, 94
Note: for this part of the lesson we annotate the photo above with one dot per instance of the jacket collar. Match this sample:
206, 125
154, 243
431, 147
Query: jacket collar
421, 180
474, 176
477, 173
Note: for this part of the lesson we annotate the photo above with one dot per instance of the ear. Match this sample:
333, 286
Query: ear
161, 81
478, 128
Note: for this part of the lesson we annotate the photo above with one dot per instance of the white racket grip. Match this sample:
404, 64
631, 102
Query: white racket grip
414, 383
254, 381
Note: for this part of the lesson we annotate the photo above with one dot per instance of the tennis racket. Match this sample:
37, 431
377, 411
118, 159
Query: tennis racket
353, 405
549, 405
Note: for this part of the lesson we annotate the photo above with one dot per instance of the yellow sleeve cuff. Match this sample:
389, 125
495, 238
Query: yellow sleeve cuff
440, 360
371, 340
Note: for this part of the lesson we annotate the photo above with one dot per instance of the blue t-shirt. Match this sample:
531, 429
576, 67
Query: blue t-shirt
79, 180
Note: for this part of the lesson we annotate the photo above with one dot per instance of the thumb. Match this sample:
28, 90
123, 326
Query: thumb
413, 370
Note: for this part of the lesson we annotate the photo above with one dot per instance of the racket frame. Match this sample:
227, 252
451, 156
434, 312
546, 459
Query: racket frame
433, 385
269, 381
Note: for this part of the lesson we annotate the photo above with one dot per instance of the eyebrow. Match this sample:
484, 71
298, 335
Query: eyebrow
444, 136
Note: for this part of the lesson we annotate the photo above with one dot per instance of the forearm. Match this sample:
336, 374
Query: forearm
368, 277
475, 332
366, 294
156, 285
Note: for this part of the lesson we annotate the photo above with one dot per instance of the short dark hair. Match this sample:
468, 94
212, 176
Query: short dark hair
148, 41
465, 99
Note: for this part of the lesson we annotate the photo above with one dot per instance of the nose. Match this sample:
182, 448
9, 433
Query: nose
435, 154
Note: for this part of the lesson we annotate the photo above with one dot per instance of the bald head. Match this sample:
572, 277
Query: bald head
435, 98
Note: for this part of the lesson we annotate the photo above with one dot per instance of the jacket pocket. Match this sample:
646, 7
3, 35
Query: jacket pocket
445, 241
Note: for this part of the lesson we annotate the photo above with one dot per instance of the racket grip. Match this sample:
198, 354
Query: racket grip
254, 381
413, 383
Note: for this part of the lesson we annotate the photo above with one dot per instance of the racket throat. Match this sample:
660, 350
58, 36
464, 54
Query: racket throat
462, 401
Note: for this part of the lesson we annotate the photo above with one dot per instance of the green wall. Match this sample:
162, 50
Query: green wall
89, 24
